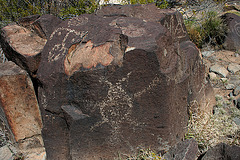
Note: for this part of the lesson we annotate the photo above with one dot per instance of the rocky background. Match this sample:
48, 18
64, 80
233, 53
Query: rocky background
217, 135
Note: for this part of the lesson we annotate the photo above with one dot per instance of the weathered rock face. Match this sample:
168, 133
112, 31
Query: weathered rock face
18, 100
187, 150
232, 41
22, 48
23, 43
172, 20
223, 151
117, 80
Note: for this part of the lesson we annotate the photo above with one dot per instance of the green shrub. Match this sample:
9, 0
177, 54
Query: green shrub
194, 31
140, 1
78, 8
211, 30
204, 24
143, 154
163, 4
12, 10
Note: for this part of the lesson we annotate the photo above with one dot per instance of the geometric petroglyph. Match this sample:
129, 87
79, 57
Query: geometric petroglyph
237, 28
78, 21
175, 30
133, 31
60, 49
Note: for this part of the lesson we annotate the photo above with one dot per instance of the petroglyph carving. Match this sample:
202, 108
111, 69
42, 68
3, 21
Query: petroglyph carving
133, 31
59, 49
130, 49
175, 30
116, 107
154, 83
87, 56
78, 21
237, 28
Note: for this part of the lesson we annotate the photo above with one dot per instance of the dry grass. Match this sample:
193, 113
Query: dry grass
143, 154
209, 130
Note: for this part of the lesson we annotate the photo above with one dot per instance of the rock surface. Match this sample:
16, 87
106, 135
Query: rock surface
5, 153
23, 43
187, 150
19, 114
225, 118
232, 41
22, 46
233, 67
236, 91
116, 80
223, 151
19, 102
223, 72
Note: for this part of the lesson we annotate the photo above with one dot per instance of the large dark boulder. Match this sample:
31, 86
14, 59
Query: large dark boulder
22, 46
19, 103
170, 19
117, 80
23, 42
232, 41
187, 150
223, 151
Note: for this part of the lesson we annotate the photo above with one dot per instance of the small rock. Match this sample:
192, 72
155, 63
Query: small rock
212, 59
234, 79
223, 151
35, 156
230, 95
237, 103
207, 53
224, 80
212, 76
5, 153
233, 68
236, 91
229, 86
223, 72
187, 150
236, 121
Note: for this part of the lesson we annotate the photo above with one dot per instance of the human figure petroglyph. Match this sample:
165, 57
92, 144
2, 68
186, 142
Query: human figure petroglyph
117, 106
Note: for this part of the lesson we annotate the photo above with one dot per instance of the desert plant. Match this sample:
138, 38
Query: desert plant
163, 4
204, 24
78, 8
214, 29
140, 1
12, 10
194, 31
209, 130
143, 154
